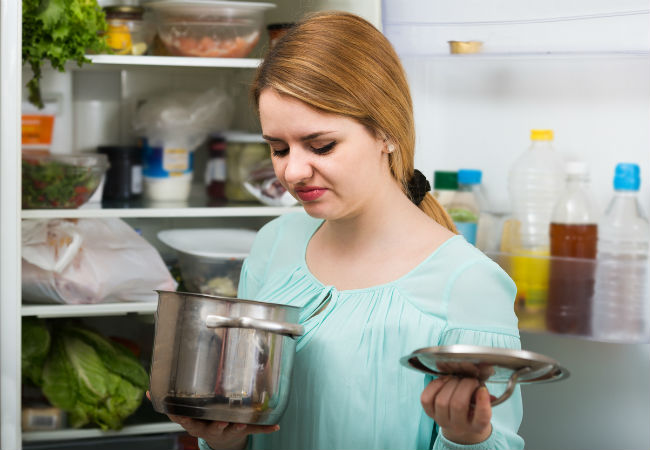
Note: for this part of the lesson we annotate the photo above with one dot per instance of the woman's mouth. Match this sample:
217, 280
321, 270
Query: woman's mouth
310, 193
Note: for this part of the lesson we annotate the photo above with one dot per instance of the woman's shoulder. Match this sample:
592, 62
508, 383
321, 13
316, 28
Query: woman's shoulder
458, 277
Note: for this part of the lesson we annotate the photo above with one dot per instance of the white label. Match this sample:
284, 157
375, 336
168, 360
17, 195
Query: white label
176, 159
136, 180
216, 170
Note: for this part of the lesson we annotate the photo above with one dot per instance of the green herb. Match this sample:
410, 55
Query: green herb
52, 184
59, 31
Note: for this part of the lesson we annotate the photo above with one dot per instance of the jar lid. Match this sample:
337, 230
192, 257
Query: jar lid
123, 9
243, 137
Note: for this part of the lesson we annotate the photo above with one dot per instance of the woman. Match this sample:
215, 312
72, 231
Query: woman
375, 263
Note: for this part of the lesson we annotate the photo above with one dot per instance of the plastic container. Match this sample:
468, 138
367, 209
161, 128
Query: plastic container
621, 293
535, 182
167, 171
244, 152
220, 29
464, 208
574, 235
445, 185
124, 178
60, 181
128, 33
210, 260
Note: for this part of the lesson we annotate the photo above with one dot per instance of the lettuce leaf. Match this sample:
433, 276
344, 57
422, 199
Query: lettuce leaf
36, 343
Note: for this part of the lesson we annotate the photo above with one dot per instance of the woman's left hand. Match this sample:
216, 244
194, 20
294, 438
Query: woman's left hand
447, 400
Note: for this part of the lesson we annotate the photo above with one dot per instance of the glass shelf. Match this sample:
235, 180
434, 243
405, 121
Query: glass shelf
69, 434
569, 297
121, 61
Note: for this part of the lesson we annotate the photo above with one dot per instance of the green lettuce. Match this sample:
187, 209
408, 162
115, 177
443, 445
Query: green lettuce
92, 379
35, 347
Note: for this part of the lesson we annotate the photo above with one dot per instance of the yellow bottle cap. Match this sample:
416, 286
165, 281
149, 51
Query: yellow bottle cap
541, 135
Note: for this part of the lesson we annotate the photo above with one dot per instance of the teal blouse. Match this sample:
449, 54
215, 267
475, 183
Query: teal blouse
348, 389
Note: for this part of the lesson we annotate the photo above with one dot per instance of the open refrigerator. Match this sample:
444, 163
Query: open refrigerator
581, 68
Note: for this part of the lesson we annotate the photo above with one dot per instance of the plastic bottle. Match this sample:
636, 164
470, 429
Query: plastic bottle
574, 235
445, 185
621, 297
464, 207
535, 183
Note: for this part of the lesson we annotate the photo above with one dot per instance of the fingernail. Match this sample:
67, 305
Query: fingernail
277, 427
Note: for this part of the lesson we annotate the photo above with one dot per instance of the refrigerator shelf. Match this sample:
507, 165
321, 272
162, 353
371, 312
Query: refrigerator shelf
120, 61
99, 309
69, 434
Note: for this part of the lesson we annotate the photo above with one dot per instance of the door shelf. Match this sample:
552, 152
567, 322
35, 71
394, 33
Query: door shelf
70, 434
563, 296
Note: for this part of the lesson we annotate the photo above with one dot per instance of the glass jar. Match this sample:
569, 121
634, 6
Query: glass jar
128, 32
244, 152
215, 170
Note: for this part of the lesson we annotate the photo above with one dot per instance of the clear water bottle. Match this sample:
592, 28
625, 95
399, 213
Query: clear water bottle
535, 182
621, 292
464, 208
574, 236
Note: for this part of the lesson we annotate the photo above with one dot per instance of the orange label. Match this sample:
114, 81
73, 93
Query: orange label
37, 130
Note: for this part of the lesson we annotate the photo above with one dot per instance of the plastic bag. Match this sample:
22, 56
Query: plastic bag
183, 119
89, 261
265, 186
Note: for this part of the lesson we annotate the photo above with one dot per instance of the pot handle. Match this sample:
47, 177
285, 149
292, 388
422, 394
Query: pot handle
290, 329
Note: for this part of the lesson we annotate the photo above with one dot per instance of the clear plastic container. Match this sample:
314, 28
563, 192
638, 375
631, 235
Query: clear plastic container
210, 259
535, 183
574, 234
218, 29
621, 293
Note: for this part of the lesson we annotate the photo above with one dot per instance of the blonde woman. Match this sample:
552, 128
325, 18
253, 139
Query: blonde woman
374, 261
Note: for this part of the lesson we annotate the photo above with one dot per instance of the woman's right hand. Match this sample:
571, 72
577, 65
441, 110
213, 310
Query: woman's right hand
222, 435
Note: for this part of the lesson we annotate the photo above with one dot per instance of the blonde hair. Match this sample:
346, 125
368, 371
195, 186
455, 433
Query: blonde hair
339, 63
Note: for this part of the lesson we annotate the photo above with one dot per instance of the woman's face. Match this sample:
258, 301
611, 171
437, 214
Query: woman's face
332, 164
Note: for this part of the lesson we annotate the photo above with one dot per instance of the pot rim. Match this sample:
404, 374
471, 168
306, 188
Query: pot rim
227, 299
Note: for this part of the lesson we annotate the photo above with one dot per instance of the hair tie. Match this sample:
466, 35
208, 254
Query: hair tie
418, 187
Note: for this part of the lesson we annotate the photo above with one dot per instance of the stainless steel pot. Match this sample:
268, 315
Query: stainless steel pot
221, 358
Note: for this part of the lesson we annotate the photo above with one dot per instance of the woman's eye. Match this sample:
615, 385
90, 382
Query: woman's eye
280, 151
324, 149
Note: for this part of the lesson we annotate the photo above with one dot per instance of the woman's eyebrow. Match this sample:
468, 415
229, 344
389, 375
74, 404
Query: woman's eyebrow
304, 138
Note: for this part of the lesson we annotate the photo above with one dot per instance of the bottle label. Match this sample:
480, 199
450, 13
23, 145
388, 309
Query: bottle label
216, 170
468, 230
159, 162
136, 179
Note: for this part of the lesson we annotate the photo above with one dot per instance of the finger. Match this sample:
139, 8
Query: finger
482, 414
261, 429
442, 401
459, 406
148, 395
429, 394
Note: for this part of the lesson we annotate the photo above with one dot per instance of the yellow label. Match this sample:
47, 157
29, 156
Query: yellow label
176, 159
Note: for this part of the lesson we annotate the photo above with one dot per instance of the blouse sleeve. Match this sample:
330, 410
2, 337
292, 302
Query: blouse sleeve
480, 299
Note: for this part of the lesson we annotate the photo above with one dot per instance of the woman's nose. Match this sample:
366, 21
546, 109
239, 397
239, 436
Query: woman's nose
298, 167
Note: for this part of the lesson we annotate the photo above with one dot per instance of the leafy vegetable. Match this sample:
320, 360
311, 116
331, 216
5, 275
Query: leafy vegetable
53, 184
59, 31
92, 379
35, 347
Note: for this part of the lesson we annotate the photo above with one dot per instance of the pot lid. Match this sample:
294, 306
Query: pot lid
496, 365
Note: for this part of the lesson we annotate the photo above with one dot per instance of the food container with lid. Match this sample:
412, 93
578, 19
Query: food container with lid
210, 259
245, 151
60, 181
128, 32
218, 29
